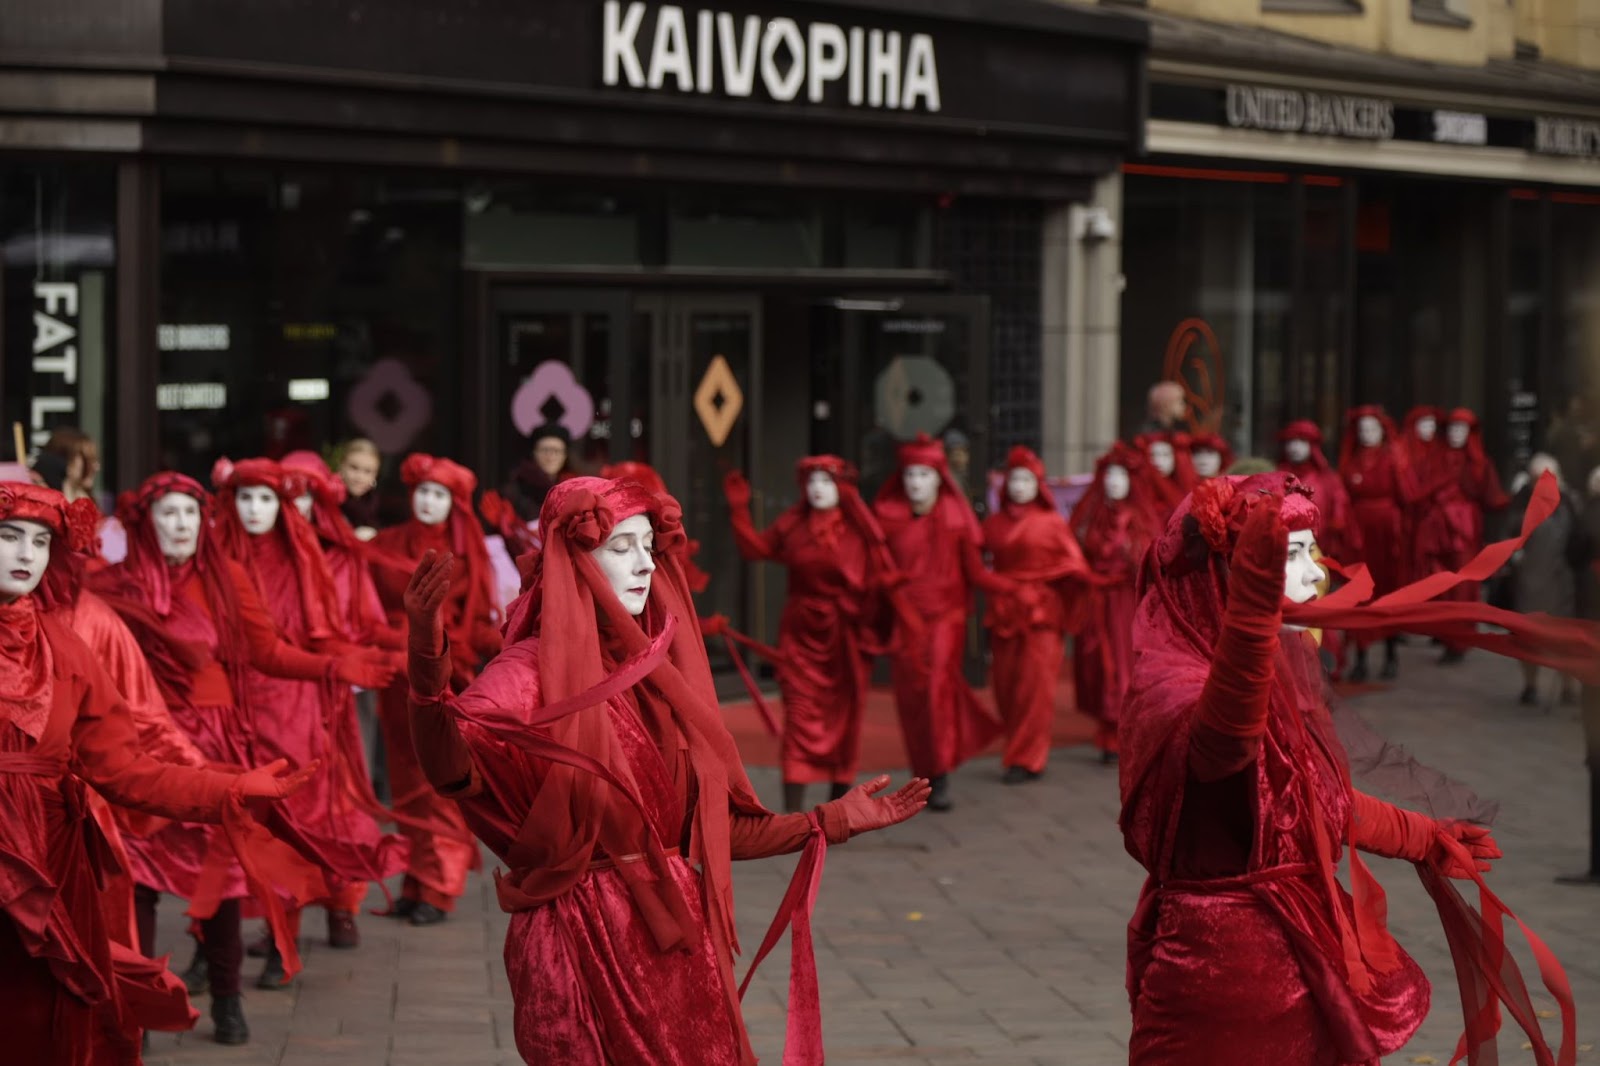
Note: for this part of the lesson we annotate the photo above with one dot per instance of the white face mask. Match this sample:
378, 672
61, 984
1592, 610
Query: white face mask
1021, 485
1207, 462
1302, 574
1162, 458
627, 559
258, 509
921, 484
822, 492
1427, 426
1369, 431
303, 503
176, 517
1456, 433
1116, 483
1297, 451
24, 553
431, 503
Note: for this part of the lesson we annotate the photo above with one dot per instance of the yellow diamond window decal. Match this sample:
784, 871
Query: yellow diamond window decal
718, 400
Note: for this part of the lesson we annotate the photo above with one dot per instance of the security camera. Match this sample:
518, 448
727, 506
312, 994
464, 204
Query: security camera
1098, 225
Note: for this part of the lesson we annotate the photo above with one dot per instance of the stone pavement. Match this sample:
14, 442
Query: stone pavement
992, 934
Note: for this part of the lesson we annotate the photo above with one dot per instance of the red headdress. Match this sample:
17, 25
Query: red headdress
1474, 446
1311, 433
951, 507
1422, 456
1024, 458
466, 536
1183, 477
1351, 440
1214, 442
305, 472
852, 508
1145, 502
633, 470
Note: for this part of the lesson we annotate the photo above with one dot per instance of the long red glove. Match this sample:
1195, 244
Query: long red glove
864, 810
1396, 833
1233, 705
269, 782
444, 755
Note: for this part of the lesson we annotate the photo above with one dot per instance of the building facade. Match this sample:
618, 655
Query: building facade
1367, 201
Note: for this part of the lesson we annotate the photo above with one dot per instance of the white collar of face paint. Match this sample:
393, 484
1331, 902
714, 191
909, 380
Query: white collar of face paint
1456, 434
1369, 431
922, 487
258, 508
1427, 426
1297, 451
1301, 572
1207, 462
822, 492
627, 558
431, 503
1022, 486
304, 503
1116, 484
1163, 458
176, 517
24, 553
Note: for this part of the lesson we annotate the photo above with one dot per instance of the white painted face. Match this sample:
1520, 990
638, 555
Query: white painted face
822, 492
1456, 433
24, 553
627, 558
921, 484
1116, 482
1022, 487
176, 517
1369, 431
1163, 458
1301, 573
1297, 451
258, 509
1207, 462
303, 503
1427, 426
431, 503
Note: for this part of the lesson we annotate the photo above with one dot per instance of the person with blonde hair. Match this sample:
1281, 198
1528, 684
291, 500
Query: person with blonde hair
358, 466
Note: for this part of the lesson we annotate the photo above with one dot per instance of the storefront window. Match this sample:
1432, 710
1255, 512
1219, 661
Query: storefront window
58, 252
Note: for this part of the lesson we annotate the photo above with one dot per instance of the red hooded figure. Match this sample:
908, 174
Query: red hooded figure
441, 521
73, 995
836, 558
1167, 453
1373, 468
935, 541
1341, 534
1115, 522
1451, 522
1210, 455
1031, 544
1422, 448
301, 720
592, 758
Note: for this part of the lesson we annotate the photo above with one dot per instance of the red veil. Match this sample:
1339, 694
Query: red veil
951, 508
466, 536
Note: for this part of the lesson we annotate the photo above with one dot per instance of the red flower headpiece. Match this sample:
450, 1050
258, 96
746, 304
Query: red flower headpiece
77, 523
1209, 520
643, 473
923, 451
457, 479
311, 474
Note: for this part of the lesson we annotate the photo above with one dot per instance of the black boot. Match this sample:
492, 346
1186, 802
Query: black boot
1358, 672
261, 946
1019, 775
272, 974
1391, 660
197, 978
227, 1017
939, 797
427, 914
794, 797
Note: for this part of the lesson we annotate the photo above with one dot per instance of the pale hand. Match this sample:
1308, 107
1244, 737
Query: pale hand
865, 810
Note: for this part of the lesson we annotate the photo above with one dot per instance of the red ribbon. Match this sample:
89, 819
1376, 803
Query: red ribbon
802, 1043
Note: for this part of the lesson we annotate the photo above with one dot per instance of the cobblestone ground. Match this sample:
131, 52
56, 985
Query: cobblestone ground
991, 934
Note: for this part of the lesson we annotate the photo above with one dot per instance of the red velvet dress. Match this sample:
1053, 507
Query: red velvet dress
823, 672
1113, 546
590, 985
942, 719
64, 984
1340, 538
1450, 527
1032, 546
439, 863
314, 720
1372, 475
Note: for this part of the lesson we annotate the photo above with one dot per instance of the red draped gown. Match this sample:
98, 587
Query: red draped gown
1033, 546
589, 984
1372, 477
1450, 527
1102, 662
66, 987
823, 672
943, 721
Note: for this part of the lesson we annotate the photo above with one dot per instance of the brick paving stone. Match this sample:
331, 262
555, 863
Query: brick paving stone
991, 935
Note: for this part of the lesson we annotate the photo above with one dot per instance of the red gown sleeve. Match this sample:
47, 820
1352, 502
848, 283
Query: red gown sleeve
756, 836
980, 575
442, 751
753, 544
269, 652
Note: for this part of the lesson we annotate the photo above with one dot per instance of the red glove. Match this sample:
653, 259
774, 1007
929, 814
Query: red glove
864, 810
714, 626
367, 668
427, 657
737, 489
270, 782
1396, 833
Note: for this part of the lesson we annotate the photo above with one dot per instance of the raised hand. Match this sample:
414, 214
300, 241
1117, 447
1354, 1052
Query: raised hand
1255, 576
737, 489
424, 601
1477, 843
269, 782
865, 810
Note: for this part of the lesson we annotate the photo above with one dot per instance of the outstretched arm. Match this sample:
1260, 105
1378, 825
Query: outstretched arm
861, 810
753, 544
1396, 833
276, 657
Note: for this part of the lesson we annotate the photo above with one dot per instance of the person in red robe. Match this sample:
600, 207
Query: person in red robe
1030, 543
935, 542
68, 987
1118, 517
591, 756
1450, 528
1237, 799
1373, 469
442, 521
836, 555
1167, 453
301, 720
1210, 455
1300, 453
203, 628
1422, 450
